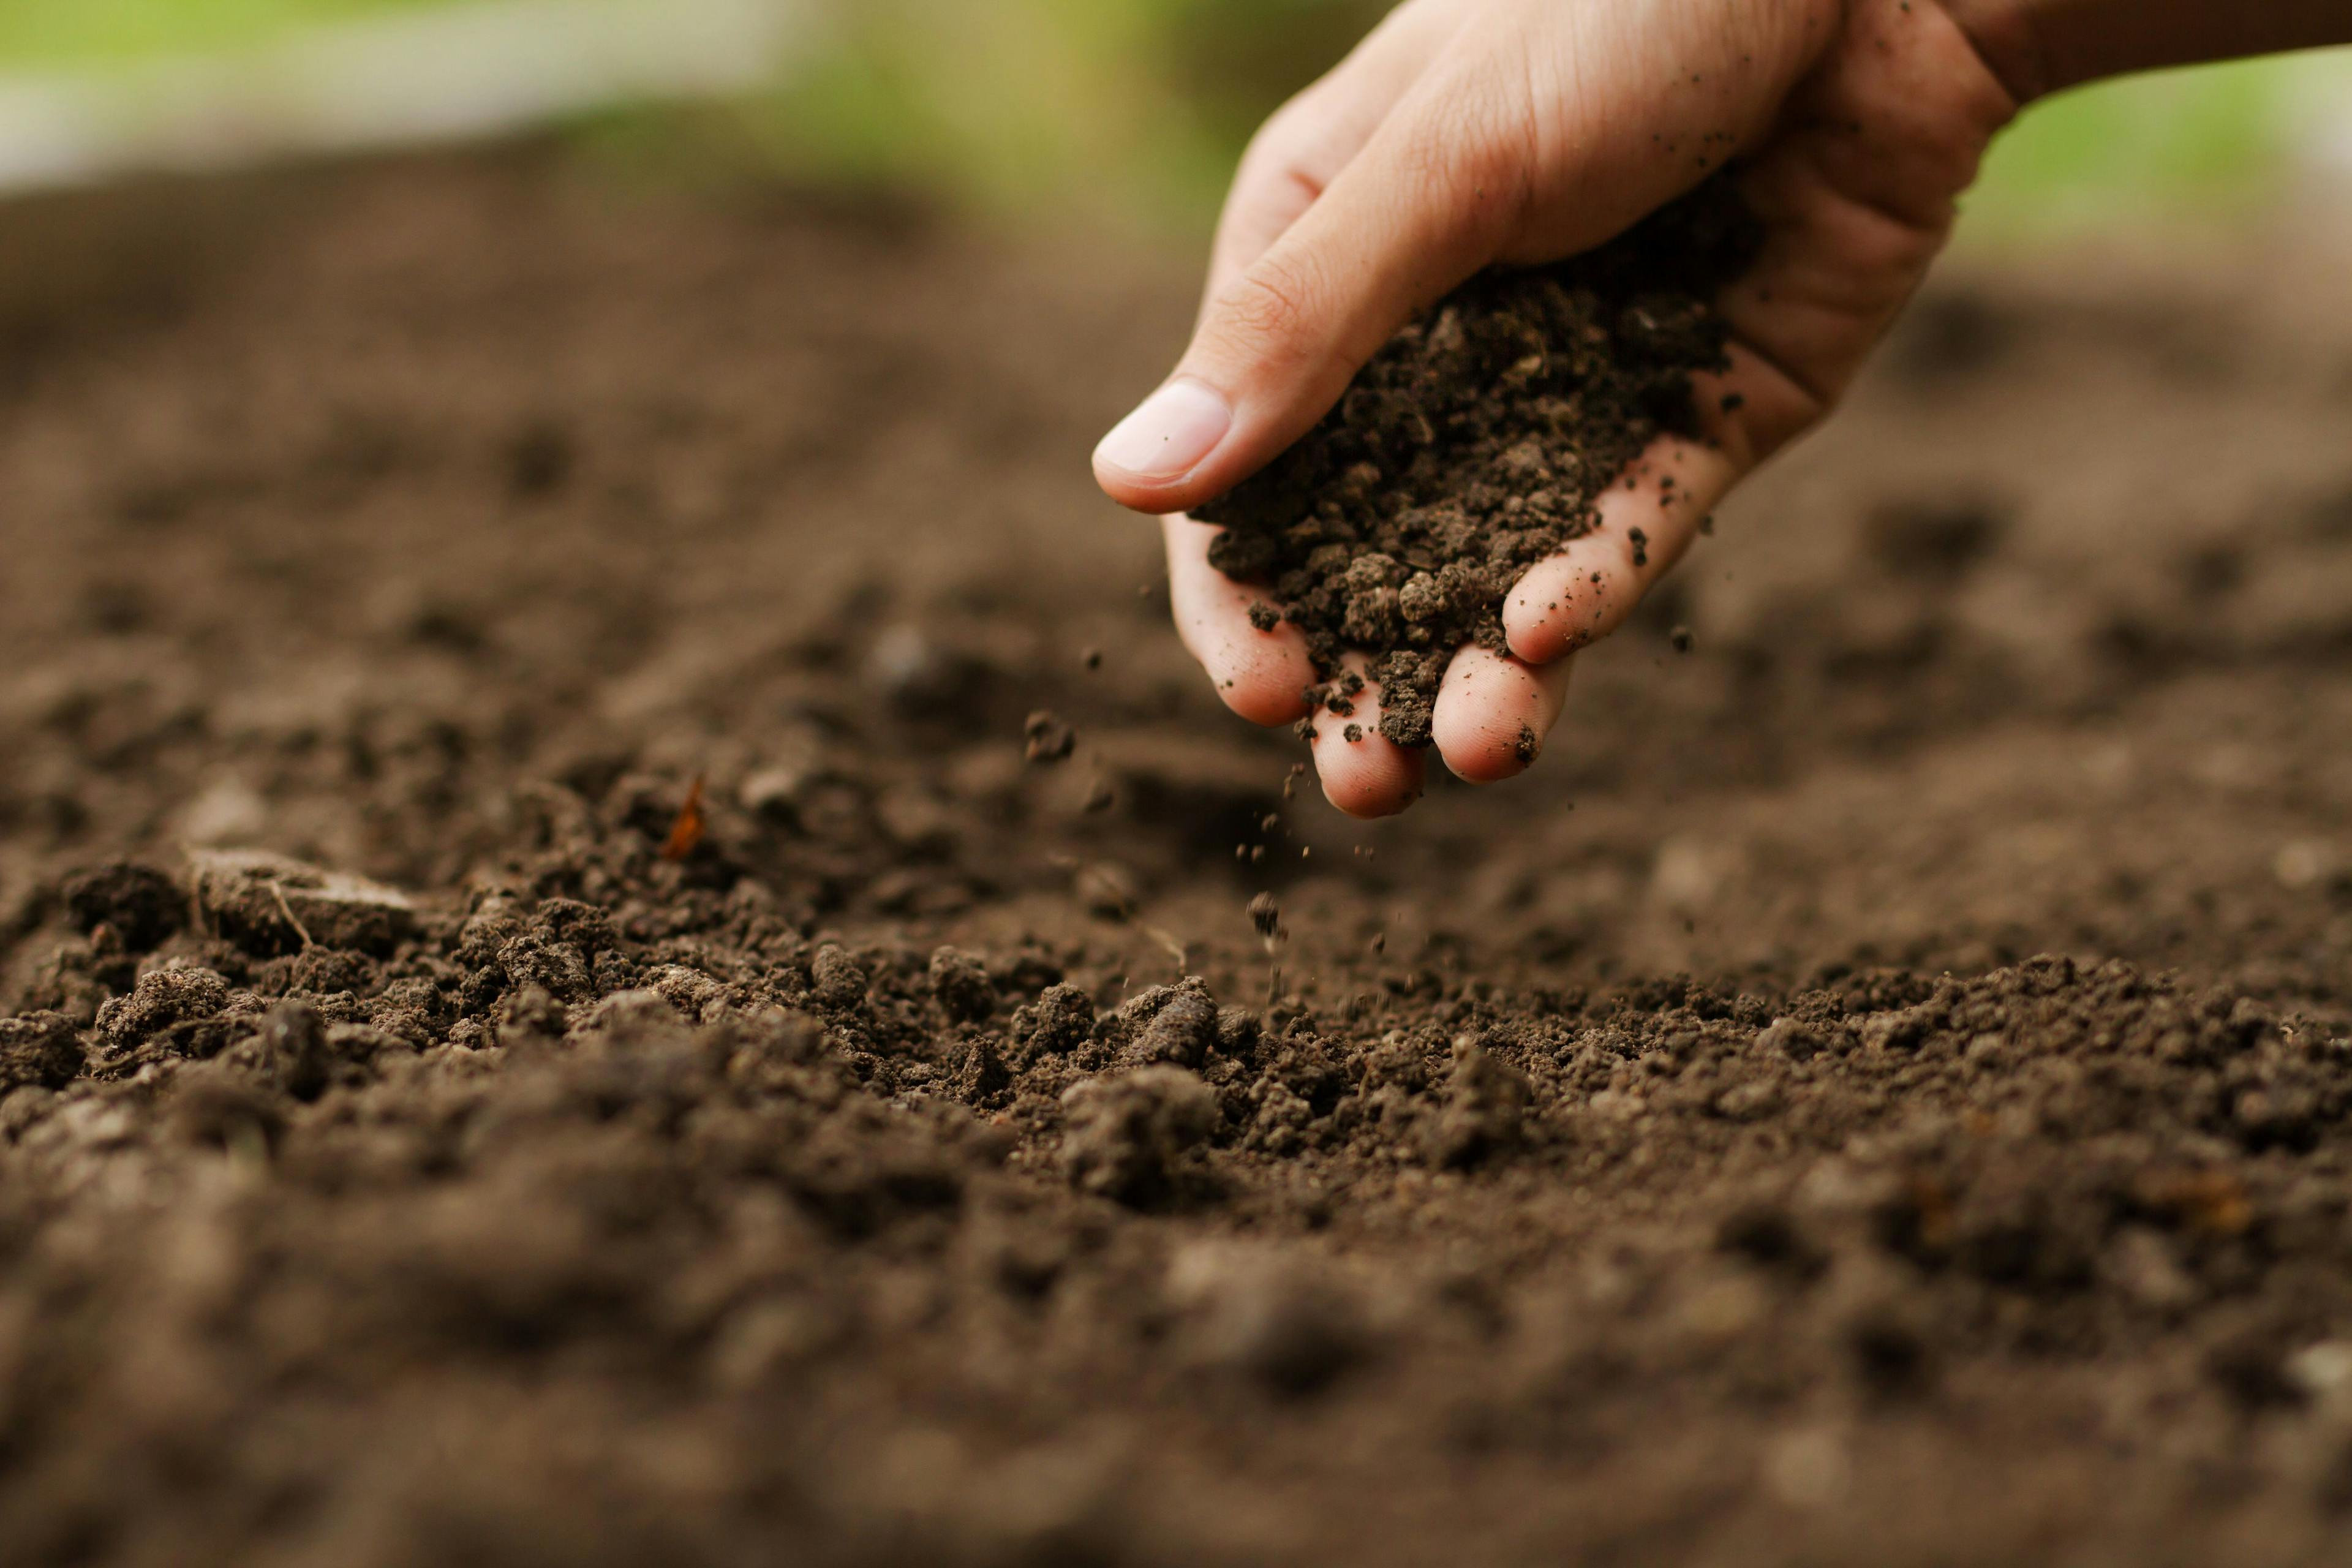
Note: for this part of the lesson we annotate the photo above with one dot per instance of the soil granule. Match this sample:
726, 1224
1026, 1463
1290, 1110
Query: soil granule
1472, 445
1882, 1095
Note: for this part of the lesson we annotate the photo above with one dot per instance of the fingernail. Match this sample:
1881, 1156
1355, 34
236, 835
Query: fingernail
1167, 437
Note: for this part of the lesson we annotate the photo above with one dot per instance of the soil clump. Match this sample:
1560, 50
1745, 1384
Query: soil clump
1472, 445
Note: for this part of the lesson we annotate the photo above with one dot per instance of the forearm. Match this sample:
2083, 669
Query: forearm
2040, 47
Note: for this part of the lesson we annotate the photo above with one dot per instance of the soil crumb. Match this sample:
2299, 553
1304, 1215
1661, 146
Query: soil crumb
1472, 445
1049, 739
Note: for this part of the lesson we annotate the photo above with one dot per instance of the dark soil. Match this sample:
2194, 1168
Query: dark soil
1472, 445
1882, 1095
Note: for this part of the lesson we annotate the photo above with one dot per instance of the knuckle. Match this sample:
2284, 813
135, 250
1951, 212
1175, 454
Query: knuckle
1486, 108
1270, 310
1283, 139
1462, 157
1295, 146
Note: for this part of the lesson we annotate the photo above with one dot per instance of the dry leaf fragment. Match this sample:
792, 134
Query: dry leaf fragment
685, 833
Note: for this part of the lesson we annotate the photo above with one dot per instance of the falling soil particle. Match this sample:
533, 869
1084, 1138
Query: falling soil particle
1049, 740
1265, 914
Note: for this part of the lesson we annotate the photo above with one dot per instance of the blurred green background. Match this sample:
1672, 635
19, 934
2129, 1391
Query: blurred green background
1137, 108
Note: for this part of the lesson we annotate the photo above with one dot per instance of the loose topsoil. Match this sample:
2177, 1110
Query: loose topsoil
1879, 1094
1471, 446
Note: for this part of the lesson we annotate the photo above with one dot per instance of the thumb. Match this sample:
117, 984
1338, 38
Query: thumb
1420, 209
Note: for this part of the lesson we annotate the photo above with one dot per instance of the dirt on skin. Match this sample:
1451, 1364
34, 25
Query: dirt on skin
1471, 446
1879, 1095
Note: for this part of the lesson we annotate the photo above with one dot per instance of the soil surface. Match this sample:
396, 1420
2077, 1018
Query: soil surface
1877, 1094
1471, 446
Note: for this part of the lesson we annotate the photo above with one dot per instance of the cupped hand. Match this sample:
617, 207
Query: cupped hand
1465, 134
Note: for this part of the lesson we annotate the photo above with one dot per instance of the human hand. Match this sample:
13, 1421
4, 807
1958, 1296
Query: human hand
1468, 133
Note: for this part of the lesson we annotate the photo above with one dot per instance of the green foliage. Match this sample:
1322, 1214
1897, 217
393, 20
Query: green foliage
1145, 104
66, 33
1134, 105
1141, 106
1126, 105
2214, 141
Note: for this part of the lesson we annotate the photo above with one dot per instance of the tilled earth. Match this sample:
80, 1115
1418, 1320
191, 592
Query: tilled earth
1878, 1094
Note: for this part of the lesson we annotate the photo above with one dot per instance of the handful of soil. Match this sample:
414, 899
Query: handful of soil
1472, 445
